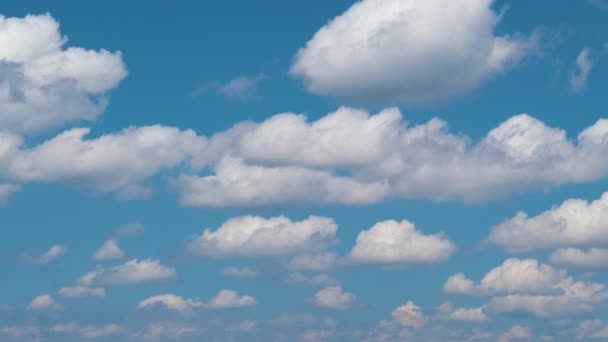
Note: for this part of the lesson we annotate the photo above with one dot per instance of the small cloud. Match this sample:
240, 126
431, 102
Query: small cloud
130, 229
42, 303
81, 291
334, 297
109, 251
242, 87
584, 64
51, 255
245, 272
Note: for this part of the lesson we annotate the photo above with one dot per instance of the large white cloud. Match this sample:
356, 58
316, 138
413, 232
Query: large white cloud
258, 236
399, 243
413, 51
352, 157
113, 162
574, 223
43, 84
529, 286
591, 258
132, 272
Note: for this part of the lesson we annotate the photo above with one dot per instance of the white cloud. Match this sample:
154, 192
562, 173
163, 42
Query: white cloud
242, 87
258, 236
333, 297
163, 330
409, 315
312, 280
226, 299
578, 78
109, 251
171, 302
245, 272
574, 223
49, 256
112, 162
43, 302
413, 51
526, 285
87, 331
81, 291
131, 272
352, 157
399, 243
592, 329
43, 84
591, 258
516, 332
449, 312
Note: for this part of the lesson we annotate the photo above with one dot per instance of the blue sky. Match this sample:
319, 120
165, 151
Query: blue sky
381, 170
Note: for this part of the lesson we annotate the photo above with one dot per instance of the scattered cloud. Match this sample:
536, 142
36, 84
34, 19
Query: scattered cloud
129, 229
87, 331
227, 299
449, 312
109, 251
333, 297
516, 333
242, 87
131, 272
321, 279
171, 302
44, 303
584, 64
55, 252
81, 291
245, 272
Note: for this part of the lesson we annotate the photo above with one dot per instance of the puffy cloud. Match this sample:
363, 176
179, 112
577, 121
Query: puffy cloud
516, 332
43, 84
578, 78
245, 272
312, 280
383, 50
171, 302
49, 256
591, 258
258, 236
526, 285
81, 291
87, 331
333, 297
112, 162
226, 299
43, 302
574, 223
409, 315
352, 157
399, 243
131, 272
109, 251
449, 312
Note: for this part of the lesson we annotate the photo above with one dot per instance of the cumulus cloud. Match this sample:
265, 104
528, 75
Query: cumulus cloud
574, 223
516, 333
81, 291
449, 312
399, 243
413, 51
109, 251
171, 302
578, 78
43, 302
118, 162
227, 299
352, 157
131, 272
43, 83
409, 315
49, 256
529, 286
572, 257
333, 297
87, 331
245, 272
258, 236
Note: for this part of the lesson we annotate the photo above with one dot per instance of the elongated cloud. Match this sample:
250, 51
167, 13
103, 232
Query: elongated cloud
131, 272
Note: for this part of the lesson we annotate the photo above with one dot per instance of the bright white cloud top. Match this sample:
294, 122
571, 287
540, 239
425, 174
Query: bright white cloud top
412, 51
132, 272
334, 297
44, 84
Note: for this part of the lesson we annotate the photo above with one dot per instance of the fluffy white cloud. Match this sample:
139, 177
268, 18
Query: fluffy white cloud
81, 291
352, 157
112, 162
449, 312
87, 331
516, 332
131, 272
312, 280
43, 84
413, 51
245, 272
333, 297
49, 256
574, 223
578, 78
43, 302
226, 299
109, 251
526, 285
591, 258
409, 315
399, 243
258, 236
171, 302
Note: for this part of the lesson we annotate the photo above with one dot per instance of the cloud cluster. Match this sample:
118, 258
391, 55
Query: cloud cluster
529, 286
225, 299
412, 51
334, 297
132, 272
